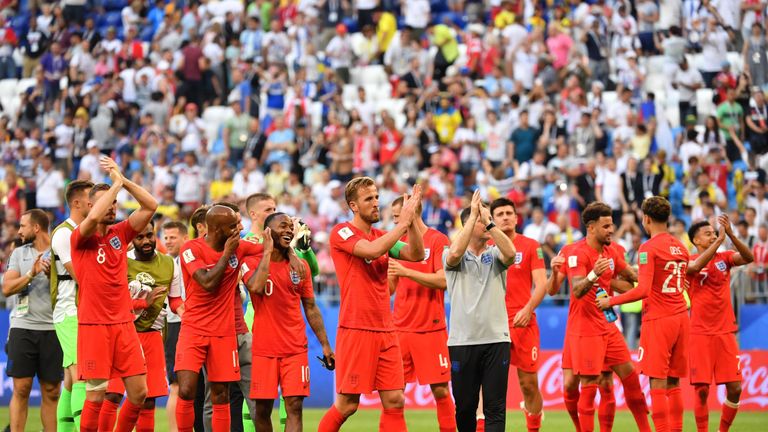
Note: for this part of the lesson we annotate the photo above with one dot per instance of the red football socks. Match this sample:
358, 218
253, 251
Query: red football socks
108, 415
392, 420
571, 399
220, 421
533, 421
587, 407
700, 409
633, 393
480, 425
128, 416
606, 411
675, 401
185, 415
89, 419
446, 414
331, 421
729, 413
660, 409
146, 421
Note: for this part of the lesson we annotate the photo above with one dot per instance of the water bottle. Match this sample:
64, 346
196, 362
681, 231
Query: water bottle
610, 315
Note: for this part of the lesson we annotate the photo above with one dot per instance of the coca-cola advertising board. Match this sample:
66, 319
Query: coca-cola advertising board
754, 396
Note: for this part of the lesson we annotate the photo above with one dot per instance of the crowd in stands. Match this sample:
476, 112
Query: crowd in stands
553, 104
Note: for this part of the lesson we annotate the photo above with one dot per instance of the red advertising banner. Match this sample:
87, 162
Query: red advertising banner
754, 396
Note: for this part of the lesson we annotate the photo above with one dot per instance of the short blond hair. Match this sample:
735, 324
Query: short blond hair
354, 185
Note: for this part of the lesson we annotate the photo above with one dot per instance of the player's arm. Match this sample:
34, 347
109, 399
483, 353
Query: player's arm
148, 205
209, 279
371, 250
628, 274
174, 291
413, 250
392, 281
744, 254
582, 284
461, 242
695, 266
311, 259
621, 285
434, 280
256, 283
523, 316
315, 320
641, 291
13, 281
60, 245
503, 242
101, 206
555, 280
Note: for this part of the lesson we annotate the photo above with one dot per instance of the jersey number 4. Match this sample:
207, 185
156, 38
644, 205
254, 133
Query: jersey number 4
675, 282
443, 361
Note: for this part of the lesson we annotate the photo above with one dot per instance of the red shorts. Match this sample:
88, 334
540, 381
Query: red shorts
591, 354
291, 373
663, 349
154, 354
217, 353
367, 361
107, 351
425, 356
525, 346
714, 355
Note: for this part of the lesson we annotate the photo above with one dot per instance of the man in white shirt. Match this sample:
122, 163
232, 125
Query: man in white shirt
608, 187
189, 181
64, 134
90, 162
540, 227
687, 80
416, 14
619, 111
248, 180
691, 148
339, 52
50, 186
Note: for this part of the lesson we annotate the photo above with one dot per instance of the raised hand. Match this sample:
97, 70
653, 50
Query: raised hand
155, 293
232, 243
475, 205
601, 266
110, 167
557, 262
267, 241
485, 215
725, 224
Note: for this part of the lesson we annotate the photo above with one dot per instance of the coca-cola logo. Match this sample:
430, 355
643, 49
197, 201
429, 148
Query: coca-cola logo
754, 383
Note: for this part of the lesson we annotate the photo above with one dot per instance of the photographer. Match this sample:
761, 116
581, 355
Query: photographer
478, 340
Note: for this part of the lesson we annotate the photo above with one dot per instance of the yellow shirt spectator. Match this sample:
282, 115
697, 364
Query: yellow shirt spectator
385, 30
220, 189
444, 38
503, 19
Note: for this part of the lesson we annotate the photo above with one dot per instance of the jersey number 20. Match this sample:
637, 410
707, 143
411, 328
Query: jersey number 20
674, 283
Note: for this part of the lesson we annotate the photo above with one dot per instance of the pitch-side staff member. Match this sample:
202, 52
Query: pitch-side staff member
478, 340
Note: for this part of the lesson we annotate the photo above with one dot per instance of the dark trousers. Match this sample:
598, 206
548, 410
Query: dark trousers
685, 109
473, 367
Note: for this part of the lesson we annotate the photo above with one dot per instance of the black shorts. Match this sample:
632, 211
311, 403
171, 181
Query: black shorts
34, 352
171, 338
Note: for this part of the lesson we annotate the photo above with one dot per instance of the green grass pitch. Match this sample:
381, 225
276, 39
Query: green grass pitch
425, 421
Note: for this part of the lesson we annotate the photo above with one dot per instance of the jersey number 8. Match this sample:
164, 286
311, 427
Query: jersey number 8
101, 256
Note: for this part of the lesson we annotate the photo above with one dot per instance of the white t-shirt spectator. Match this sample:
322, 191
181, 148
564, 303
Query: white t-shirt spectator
64, 135
339, 51
129, 84
541, 231
730, 10
610, 182
685, 78
244, 185
670, 12
90, 163
761, 208
416, 13
514, 34
618, 112
689, 149
193, 133
188, 183
714, 49
496, 137
49, 187
130, 17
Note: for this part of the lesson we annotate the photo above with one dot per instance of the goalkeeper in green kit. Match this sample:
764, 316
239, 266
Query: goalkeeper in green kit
259, 206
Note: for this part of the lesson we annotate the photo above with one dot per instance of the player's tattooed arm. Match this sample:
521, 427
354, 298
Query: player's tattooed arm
315, 320
209, 279
582, 285
628, 274
695, 266
744, 253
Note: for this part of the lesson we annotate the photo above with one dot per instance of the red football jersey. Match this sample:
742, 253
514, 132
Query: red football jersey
710, 292
419, 308
364, 288
277, 313
211, 313
586, 319
99, 261
663, 261
528, 257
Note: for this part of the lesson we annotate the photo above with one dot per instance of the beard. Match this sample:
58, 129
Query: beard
371, 218
27, 239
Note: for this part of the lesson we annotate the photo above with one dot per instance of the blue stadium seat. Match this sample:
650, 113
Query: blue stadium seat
352, 26
456, 18
114, 5
20, 24
110, 19
147, 33
438, 6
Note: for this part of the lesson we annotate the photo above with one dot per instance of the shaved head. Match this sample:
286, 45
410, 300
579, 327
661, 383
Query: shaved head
222, 222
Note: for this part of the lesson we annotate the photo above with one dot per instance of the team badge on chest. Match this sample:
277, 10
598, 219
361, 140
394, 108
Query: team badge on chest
295, 279
486, 259
518, 257
115, 243
233, 261
720, 265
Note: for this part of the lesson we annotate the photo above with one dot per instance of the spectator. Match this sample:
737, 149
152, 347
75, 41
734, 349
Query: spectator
50, 188
524, 139
731, 117
687, 81
757, 270
757, 122
444, 39
539, 227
